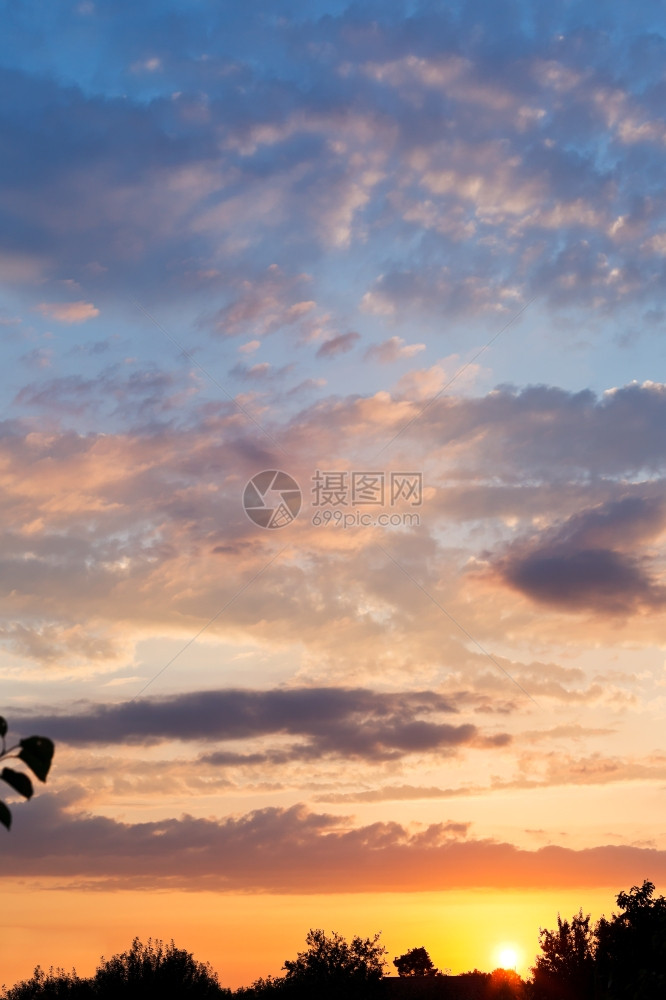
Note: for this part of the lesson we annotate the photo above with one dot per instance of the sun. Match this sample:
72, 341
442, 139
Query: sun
508, 956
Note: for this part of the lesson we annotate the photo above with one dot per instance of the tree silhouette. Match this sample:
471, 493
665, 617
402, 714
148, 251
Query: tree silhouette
145, 971
415, 962
37, 753
631, 947
565, 970
271, 986
56, 984
331, 966
152, 969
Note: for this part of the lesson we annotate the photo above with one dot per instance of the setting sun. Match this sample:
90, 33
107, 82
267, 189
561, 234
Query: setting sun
507, 957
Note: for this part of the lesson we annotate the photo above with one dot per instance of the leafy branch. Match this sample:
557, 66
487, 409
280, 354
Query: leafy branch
36, 752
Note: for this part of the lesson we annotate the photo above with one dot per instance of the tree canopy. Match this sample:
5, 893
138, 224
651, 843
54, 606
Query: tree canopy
622, 958
332, 966
566, 968
155, 969
415, 962
631, 947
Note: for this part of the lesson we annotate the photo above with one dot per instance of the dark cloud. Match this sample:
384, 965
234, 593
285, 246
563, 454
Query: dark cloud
590, 562
595, 578
348, 722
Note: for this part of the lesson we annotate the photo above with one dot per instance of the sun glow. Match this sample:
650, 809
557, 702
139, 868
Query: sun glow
507, 956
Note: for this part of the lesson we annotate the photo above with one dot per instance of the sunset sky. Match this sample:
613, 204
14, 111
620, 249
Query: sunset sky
366, 244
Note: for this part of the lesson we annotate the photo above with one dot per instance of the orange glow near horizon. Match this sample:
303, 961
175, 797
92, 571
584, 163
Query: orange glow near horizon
248, 936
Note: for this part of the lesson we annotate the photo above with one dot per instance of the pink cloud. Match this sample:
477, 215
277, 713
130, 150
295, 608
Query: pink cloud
68, 312
250, 347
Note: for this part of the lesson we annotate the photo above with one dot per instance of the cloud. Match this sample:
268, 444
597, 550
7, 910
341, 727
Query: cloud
250, 347
594, 578
552, 435
393, 143
338, 345
295, 851
149, 65
140, 523
38, 357
393, 349
236, 164
138, 395
393, 793
422, 291
261, 372
68, 312
328, 722
589, 561
554, 769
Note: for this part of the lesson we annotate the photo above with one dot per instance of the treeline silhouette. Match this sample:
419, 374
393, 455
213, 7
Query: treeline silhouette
621, 958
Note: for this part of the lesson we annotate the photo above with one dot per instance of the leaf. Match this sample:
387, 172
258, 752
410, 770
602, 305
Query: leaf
21, 783
3, 727
5, 815
37, 753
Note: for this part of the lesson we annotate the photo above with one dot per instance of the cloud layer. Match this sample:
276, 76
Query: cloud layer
296, 851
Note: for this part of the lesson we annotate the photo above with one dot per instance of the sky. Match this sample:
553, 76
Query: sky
408, 260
